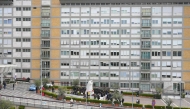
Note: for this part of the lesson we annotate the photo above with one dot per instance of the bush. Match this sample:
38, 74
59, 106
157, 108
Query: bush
157, 96
168, 107
159, 107
130, 104
12, 108
21, 107
148, 106
182, 95
147, 95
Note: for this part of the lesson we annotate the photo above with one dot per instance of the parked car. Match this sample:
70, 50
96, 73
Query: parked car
32, 87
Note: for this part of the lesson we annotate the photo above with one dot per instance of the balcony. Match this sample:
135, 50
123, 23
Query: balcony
45, 35
145, 55
145, 36
45, 45
45, 66
146, 14
145, 79
45, 25
146, 25
145, 46
45, 14
145, 65
45, 56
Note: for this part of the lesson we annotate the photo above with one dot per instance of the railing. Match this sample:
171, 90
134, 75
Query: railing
45, 56
145, 57
146, 46
45, 35
52, 103
145, 35
145, 68
145, 79
146, 24
45, 24
45, 14
45, 45
146, 14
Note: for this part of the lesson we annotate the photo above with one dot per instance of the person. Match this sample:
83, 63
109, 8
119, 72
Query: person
0, 86
13, 86
4, 84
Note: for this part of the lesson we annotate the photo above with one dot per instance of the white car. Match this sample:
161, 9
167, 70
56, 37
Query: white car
49, 84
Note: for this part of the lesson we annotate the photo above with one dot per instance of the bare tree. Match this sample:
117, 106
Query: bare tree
5, 104
168, 101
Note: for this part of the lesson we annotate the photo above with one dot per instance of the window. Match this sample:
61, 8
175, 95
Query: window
104, 53
7, 21
26, 50
155, 53
18, 39
26, 29
155, 75
26, 40
177, 53
26, 70
75, 52
26, 19
166, 75
166, 42
156, 31
18, 50
135, 53
26, 8
177, 42
177, 32
18, 70
18, 60
65, 73
156, 21
167, 11
7, 10
124, 63
104, 74
66, 53
124, 85
75, 21
166, 32
166, 64
166, 21
177, 11
156, 11
18, 19
25, 60
166, 53
104, 63
18, 8
18, 29
155, 63
114, 64
85, 21
114, 52
176, 75
135, 64
125, 10
134, 85
177, 20
65, 63
114, 74
176, 64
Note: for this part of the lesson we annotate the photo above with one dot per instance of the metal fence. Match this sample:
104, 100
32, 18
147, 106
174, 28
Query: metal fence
52, 104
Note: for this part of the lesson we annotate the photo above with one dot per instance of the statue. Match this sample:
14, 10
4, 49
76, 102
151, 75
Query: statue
89, 88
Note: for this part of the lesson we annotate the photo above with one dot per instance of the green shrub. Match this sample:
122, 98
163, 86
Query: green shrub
168, 107
127, 93
182, 95
130, 104
179, 108
146, 95
159, 107
21, 107
12, 108
148, 106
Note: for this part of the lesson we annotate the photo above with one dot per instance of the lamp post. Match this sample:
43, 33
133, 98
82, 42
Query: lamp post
41, 81
180, 94
132, 86
86, 92
45, 69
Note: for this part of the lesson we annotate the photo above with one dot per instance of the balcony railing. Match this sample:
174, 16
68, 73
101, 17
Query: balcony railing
145, 35
45, 35
145, 46
145, 79
45, 45
45, 14
145, 68
146, 25
45, 66
45, 24
45, 56
145, 57
146, 14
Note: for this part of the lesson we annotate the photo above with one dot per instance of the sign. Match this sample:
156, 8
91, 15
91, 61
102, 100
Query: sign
153, 102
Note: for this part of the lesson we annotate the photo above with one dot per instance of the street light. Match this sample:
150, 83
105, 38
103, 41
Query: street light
45, 69
41, 81
132, 86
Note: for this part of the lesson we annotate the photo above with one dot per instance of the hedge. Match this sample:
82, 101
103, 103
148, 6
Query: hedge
50, 94
12, 108
130, 104
21, 107
134, 93
159, 107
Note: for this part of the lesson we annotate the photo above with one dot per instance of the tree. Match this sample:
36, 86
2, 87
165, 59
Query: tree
45, 81
158, 90
168, 101
117, 96
37, 83
61, 92
5, 104
75, 82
